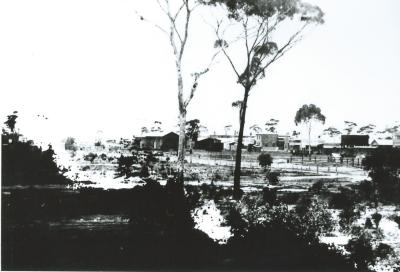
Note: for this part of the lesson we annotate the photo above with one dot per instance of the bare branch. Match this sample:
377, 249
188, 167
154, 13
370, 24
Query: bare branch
161, 7
224, 51
142, 18
197, 77
286, 47
185, 37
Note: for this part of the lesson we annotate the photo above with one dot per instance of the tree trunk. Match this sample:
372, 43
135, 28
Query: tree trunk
309, 141
238, 159
181, 146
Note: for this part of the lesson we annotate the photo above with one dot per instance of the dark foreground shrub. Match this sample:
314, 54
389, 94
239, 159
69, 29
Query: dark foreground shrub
361, 252
281, 242
23, 163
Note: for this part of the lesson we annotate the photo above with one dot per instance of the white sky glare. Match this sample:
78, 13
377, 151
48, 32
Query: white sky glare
92, 65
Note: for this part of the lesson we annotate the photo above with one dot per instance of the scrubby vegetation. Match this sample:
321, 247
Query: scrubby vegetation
24, 163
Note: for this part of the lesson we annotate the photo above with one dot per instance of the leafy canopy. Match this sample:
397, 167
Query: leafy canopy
332, 131
309, 113
282, 9
265, 159
260, 19
11, 121
193, 129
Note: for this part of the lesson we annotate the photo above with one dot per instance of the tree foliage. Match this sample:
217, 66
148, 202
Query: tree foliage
383, 165
257, 22
70, 144
332, 131
265, 160
271, 124
368, 129
309, 113
193, 129
349, 126
11, 121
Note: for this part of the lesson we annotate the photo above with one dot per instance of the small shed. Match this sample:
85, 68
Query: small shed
209, 144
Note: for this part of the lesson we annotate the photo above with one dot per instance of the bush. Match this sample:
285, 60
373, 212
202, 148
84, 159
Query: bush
269, 196
280, 241
317, 187
345, 199
273, 177
368, 223
366, 190
377, 219
90, 157
383, 251
264, 160
383, 165
23, 163
361, 251
124, 166
70, 144
347, 216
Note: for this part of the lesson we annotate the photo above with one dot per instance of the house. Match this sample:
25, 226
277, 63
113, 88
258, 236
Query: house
170, 141
354, 141
283, 142
331, 144
209, 144
159, 140
381, 142
228, 141
267, 141
396, 139
294, 145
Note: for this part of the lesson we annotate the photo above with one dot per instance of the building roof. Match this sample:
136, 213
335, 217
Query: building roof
381, 142
355, 140
156, 134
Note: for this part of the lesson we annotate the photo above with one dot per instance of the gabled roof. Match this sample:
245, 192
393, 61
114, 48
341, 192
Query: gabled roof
381, 142
156, 134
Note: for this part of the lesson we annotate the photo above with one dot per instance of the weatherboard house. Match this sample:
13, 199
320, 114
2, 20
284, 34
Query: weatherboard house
159, 141
209, 144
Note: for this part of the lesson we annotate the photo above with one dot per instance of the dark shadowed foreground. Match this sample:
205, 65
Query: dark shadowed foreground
145, 227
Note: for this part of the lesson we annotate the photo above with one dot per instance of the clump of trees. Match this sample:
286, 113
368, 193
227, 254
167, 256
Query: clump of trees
383, 165
257, 225
24, 163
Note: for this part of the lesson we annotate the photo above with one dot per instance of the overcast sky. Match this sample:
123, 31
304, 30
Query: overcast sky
92, 65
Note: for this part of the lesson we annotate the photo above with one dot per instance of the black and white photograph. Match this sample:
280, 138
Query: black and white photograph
210, 135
